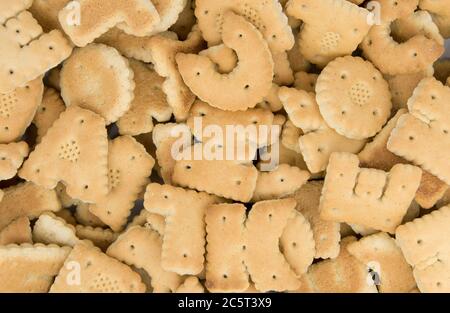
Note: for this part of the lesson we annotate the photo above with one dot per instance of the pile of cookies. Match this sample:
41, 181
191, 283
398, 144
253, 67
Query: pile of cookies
118, 172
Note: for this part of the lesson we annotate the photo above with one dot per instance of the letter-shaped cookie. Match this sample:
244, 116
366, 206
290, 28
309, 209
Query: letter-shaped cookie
130, 167
50, 229
203, 116
48, 112
440, 10
97, 273
17, 109
274, 245
342, 274
367, 197
225, 268
18, 232
266, 16
326, 233
26, 199
135, 17
75, 151
331, 28
423, 135
225, 178
417, 53
162, 50
11, 158
30, 268
319, 140
149, 102
376, 155
394, 273
166, 138
279, 183
184, 236
424, 246
264, 227
26, 52
238, 90
141, 247
104, 83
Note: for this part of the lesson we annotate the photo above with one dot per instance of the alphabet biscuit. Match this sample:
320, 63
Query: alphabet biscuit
224, 178
46, 13
376, 155
85, 217
297, 244
100, 237
168, 11
282, 72
402, 87
135, 17
227, 266
326, 233
332, 28
242, 90
414, 55
394, 273
104, 81
18, 232
30, 268
91, 264
50, 229
183, 239
28, 52
202, 116
423, 248
225, 263
141, 247
384, 197
11, 158
17, 109
163, 51
74, 150
277, 274
440, 11
344, 274
130, 167
26, 199
224, 57
421, 136
48, 112
290, 136
279, 183
266, 16
165, 137
319, 140
149, 102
